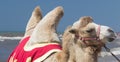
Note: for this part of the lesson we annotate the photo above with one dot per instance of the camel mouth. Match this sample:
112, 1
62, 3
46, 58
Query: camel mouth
111, 39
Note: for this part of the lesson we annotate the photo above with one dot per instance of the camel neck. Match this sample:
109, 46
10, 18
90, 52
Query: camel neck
84, 55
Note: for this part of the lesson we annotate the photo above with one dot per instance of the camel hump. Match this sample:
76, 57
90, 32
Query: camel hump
59, 10
50, 20
37, 13
85, 20
33, 21
45, 31
54, 15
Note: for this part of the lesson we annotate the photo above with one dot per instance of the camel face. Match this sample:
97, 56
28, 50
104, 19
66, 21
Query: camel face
86, 28
107, 34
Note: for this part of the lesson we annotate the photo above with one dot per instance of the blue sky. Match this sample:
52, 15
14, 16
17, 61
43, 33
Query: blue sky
14, 14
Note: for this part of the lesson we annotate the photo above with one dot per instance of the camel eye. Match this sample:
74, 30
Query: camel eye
90, 30
73, 31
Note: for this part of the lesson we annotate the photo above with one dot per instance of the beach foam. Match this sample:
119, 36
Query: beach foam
3, 38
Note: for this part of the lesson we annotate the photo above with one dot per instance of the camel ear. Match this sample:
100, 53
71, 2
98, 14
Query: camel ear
85, 20
73, 31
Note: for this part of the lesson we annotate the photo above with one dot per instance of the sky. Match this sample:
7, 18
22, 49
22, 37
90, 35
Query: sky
14, 14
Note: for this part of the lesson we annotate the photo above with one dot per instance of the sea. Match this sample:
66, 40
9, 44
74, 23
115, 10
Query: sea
9, 40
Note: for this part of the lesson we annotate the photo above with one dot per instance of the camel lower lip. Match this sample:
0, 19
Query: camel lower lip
111, 39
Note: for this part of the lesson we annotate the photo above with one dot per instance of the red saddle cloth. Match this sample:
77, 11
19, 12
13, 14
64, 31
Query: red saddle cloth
20, 55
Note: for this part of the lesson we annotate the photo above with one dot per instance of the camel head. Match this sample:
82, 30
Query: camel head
85, 39
86, 30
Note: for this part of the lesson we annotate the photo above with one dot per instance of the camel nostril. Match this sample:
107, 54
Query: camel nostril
110, 30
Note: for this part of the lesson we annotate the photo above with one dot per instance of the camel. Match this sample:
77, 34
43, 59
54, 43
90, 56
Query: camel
80, 43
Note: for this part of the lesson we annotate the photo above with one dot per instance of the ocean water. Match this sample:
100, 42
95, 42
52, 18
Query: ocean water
9, 40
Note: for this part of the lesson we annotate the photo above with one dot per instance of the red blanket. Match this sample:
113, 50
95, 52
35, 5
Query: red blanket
37, 53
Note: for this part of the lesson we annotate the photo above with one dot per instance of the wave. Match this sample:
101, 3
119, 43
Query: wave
3, 38
115, 50
19, 35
